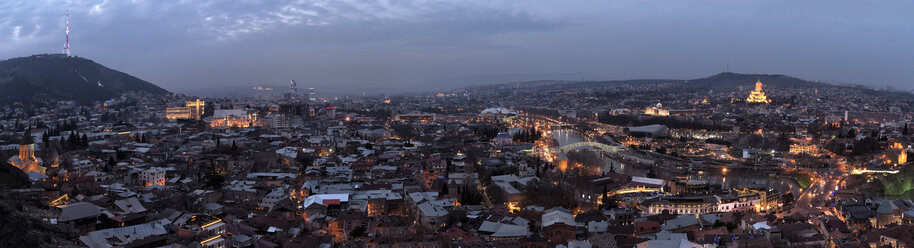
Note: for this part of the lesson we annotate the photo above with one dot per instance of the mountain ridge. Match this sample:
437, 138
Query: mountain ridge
720, 81
47, 77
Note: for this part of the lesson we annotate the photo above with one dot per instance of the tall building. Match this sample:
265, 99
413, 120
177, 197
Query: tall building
191, 110
293, 92
312, 96
758, 95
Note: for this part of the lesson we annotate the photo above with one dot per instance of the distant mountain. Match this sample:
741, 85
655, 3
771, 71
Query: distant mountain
729, 81
722, 81
47, 77
495, 78
565, 85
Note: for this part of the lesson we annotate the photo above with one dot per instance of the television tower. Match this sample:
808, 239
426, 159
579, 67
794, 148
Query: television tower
66, 45
293, 92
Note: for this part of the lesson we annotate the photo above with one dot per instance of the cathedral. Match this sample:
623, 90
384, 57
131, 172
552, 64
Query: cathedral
758, 95
26, 160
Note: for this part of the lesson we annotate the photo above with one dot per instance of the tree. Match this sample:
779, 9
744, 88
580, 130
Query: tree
444, 189
404, 131
651, 173
121, 155
304, 159
214, 181
456, 216
71, 141
111, 164
610, 202
358, 231
45, 138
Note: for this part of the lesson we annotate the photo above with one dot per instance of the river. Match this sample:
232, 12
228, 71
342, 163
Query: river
734, 178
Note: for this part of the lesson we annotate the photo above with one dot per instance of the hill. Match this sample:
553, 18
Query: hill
551, 85
19, 226
725, 81
46, 77
729, 81
12, 177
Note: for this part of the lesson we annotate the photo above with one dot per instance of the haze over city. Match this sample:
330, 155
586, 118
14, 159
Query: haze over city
350, 46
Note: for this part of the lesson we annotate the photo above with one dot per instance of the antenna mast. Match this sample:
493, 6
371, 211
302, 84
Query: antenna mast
66, 45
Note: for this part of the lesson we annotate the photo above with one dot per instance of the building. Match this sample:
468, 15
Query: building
885, 214
232, 118
758, 95
26, 160
208, 230
152, 176
152, 233
191, 110
797, 149
559, 232
312, 95
503, 139
274, 121
175, 113
681, 205
685, 186
420, 117
657, 110
649, 131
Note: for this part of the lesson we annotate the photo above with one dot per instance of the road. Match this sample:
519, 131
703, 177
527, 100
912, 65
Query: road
813, 199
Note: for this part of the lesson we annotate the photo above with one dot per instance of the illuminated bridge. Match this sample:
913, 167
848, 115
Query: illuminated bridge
589, 145
570, 139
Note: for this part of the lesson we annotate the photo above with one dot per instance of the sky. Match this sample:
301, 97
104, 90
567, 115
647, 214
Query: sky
407, 45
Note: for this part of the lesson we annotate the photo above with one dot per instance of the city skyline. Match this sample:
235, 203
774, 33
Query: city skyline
347, 46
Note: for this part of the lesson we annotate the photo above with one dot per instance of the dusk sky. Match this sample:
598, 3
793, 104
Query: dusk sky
417, 45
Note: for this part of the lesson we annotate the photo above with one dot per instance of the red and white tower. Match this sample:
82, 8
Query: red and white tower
66, 45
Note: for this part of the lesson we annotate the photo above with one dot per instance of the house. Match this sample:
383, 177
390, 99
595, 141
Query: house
559, 232
80, 216
147, 234
503, 139
152, 176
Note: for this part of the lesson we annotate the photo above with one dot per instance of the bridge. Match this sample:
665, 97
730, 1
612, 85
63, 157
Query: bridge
584, 143
565, 129
587, 144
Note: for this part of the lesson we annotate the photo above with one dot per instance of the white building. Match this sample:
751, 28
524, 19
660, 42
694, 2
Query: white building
271, 199
152, 176
656, 110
